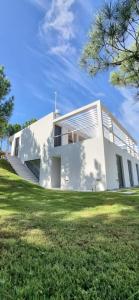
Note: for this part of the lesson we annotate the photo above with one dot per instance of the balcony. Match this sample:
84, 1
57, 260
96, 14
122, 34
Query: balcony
76, 127
117, 134
90, 121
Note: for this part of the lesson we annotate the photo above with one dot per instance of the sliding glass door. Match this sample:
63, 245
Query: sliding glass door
137, 169
120, 171
130, 173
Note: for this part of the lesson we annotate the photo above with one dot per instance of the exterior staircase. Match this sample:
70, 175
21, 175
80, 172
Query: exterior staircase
21, 169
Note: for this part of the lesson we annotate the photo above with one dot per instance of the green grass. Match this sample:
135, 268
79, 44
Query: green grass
4, 164
64, 245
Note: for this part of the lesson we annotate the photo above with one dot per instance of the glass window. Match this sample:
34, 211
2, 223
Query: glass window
72, 137
137, 169
57, 136
130, 173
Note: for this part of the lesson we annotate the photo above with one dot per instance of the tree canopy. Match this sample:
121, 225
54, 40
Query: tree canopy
27, 123
6, 102
114, 43
11, 129
8, 130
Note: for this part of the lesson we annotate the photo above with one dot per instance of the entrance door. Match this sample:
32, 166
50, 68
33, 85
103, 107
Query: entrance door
120, 171
16, 146
130, 173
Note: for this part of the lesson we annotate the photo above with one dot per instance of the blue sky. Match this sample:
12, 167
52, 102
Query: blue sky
40, 46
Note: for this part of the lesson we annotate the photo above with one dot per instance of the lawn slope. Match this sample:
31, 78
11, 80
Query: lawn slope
63, 245
4, 164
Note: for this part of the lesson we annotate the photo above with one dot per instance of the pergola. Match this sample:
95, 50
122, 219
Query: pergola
86, 122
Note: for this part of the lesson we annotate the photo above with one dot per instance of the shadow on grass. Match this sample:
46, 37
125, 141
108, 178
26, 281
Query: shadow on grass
67, 245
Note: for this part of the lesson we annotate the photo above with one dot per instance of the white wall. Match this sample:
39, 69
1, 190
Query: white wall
111, 167
35, 142
33, 138
85, 165
56, 172
82, 165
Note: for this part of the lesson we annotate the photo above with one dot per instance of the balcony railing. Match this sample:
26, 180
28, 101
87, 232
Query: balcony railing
115, 133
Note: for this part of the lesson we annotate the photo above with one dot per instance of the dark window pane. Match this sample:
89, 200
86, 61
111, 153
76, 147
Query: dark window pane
137, 169
34, 166
120, 171
57, 136
16, 146
130, 173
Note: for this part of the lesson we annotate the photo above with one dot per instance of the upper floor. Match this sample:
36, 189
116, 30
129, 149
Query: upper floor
90, 121
87, 122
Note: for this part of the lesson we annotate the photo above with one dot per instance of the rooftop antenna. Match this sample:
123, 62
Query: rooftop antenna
56, 110
55, 100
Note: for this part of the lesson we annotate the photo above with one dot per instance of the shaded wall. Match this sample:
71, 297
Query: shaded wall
111, 150
35, 142
82, 165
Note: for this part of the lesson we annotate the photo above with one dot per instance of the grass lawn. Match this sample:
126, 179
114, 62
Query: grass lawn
67, 245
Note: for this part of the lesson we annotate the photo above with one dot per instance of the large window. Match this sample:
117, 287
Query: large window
72, 137
57, 136
16, 146
130, 173
120, 171
137, 169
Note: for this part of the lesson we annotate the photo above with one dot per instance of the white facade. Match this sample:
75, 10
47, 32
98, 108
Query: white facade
78, 151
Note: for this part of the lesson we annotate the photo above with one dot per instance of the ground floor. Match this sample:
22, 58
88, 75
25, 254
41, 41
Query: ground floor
71, 167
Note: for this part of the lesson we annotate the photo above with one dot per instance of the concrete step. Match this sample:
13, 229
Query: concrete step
21, 169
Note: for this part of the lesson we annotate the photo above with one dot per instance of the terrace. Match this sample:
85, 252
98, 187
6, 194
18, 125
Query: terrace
90, 121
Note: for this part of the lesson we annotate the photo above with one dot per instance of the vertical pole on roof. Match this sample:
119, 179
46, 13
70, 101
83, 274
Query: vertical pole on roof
55, 101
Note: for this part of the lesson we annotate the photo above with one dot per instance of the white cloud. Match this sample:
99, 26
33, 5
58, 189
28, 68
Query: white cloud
57, 27
64, 48
130, 112
40, 3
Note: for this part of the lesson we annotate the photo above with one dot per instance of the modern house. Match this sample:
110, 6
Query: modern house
86, 149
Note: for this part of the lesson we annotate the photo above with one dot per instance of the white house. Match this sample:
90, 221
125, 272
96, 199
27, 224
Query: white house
86, 149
